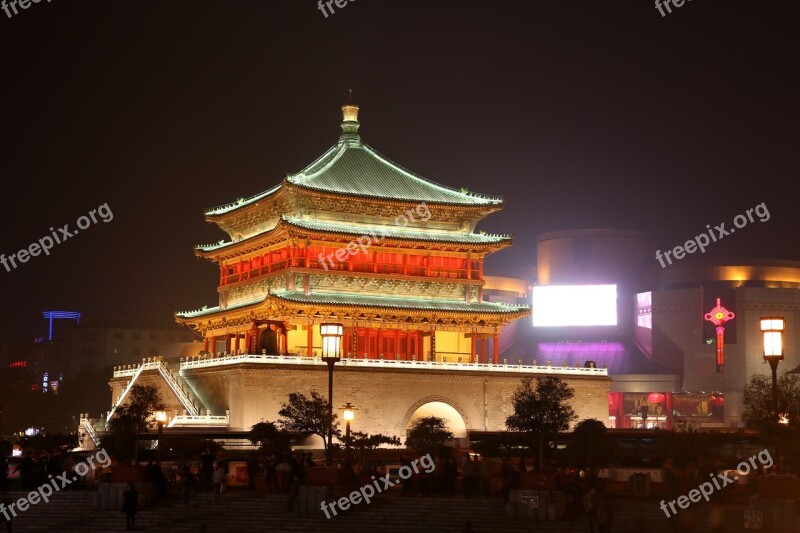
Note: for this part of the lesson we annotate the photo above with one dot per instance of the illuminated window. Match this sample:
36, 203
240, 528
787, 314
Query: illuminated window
644, 310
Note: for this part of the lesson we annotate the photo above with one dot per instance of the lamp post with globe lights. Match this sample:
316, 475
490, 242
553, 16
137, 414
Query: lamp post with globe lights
348, 414
772, 328
331, 354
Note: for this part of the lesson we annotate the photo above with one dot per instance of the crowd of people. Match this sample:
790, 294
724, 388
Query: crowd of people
469, 475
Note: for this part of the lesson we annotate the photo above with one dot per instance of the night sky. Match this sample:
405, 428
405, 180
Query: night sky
579, 113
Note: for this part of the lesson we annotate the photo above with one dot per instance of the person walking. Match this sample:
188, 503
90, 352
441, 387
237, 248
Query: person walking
6, 500
3, 472
406, 483
186, 483
605, 513
590, 506
130, 504
271, 474
481, 476
218, 479
26, 471
298, 476
206, 470
467, 476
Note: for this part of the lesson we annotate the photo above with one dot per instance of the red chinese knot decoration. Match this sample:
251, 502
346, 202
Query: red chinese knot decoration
719, 316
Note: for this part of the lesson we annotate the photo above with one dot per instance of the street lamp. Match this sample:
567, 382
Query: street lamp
349, 414
161, 418
772, 328
331, 354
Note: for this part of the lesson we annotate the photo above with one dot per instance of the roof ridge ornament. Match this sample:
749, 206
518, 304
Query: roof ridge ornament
350, 123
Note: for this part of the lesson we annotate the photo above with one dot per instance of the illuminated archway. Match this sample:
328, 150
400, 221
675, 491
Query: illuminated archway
444, 408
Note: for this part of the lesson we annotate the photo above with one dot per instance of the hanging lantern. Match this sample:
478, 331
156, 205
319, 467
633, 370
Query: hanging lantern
655, 397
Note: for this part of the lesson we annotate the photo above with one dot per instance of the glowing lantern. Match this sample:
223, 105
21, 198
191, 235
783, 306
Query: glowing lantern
655, 397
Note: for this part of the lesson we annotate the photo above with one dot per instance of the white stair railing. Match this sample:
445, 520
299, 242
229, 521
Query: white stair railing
192, 406
88, 425
126, 391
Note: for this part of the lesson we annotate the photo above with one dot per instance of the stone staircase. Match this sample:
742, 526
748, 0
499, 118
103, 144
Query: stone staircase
240, 511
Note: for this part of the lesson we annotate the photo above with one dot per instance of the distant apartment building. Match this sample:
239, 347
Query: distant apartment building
95, 344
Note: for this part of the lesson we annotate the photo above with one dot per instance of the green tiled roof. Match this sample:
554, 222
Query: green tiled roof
242, 202
205, 310
354, 168
398, 232
379, 232
397, 303
366, 301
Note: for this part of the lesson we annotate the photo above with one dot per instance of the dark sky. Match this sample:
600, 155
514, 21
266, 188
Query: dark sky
596, 113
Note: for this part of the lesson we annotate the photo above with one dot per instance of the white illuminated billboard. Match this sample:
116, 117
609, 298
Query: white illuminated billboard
575, 305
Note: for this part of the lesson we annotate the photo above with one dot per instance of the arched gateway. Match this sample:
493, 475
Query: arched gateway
441, 407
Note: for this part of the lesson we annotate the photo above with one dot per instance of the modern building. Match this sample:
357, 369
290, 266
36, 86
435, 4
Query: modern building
98, 343
660, 350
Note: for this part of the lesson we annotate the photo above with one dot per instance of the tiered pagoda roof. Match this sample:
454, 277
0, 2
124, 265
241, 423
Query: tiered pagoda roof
348, 192
350, 178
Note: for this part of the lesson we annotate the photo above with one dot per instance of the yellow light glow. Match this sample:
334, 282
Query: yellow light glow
773, 324
350, 113
330, 329
348, 414
160, 416
773, 344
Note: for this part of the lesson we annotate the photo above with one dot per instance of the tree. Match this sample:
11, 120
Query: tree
271, 440
429, 435
364, 444
308, 415
130, 420
590, 447
759, 409
542, 411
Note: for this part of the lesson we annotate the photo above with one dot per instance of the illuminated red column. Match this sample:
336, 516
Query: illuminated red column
310, 339
483, 350
473, 347
496, 347
205, 343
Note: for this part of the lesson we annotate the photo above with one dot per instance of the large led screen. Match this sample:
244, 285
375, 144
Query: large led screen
575, 305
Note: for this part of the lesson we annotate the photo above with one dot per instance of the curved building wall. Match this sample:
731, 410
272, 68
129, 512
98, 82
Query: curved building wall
592, 256
741, 273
